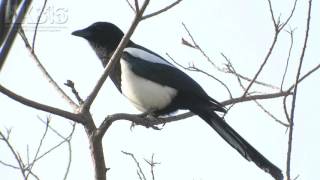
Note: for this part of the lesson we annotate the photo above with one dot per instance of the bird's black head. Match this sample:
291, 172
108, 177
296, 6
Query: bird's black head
104, 38
102, 33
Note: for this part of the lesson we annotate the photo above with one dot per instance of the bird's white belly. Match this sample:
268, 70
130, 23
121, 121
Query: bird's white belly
143, 93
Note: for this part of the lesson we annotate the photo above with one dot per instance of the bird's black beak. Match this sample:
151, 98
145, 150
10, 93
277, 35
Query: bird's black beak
82, 33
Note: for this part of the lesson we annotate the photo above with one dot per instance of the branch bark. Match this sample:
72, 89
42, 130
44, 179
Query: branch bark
39, 106
295, 91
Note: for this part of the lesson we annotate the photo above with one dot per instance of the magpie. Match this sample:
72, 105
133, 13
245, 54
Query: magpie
155, 85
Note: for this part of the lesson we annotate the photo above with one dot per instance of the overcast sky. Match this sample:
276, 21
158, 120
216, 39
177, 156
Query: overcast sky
187, 149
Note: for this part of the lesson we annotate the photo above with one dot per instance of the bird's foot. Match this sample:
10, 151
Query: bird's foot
150, 118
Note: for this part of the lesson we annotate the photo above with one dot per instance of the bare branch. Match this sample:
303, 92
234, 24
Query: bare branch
263, 63
69, 157
161, 10
195, 69
70, 84
46, 73
65, 139
275, 24
196, 46
39, 147
294, 97
37, 24
15, 154
152, 164
270, 114
130, 5
7, 164
288, 58
231, 69
290, 16
306, 75
136, 4
278, 29
139, 171
43, 107
285, 109
151, 122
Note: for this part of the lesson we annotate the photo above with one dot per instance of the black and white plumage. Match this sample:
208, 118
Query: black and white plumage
153, 84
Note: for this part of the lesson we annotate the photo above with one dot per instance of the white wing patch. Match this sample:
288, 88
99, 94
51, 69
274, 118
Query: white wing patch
144, 55
143, 93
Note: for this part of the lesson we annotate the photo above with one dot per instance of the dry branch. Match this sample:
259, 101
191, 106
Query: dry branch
295, 91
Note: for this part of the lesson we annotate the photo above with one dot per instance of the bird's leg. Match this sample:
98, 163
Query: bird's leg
149, 112
150, 116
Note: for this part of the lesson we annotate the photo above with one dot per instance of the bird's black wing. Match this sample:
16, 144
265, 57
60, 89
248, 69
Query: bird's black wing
166, 74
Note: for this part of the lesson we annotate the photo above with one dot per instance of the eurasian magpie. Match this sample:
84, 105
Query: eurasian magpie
152, 83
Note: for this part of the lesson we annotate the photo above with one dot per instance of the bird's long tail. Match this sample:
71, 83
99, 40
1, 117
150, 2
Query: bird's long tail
237, 142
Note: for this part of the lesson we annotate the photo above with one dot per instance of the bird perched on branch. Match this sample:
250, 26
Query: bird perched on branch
154, 85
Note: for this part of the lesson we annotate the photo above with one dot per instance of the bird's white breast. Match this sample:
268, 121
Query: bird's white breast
143, 93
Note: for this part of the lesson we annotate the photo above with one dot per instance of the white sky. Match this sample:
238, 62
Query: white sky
187, 149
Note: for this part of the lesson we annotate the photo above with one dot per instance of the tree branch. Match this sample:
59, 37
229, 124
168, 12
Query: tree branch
46, 73
278, 29
43, 107
37, 25
161, 10
295, 91
15, 154
288, 58
152, 122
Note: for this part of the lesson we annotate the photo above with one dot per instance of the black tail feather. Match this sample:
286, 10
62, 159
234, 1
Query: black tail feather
237, 142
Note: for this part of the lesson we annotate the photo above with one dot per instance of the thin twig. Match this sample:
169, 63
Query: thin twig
70, 84
9, 165
161, 10
66, 139
278, 29
139, 171
39, 147
196, 46
270, 114
15, 154
288, 58
285, 109
231, 68
306, 75
152, 165
263, 63
289, 17
69, 160
130, 5
43, 107
195, 69
37, 24
45, 72
275, 24
294, 97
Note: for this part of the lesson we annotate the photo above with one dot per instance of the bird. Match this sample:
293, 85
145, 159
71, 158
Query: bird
154, 85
